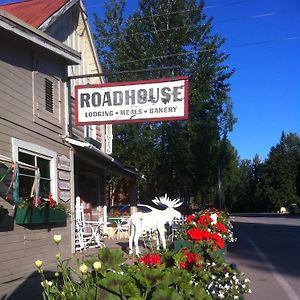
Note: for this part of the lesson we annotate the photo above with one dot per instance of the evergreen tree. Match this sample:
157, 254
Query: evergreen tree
282, 171
180, 158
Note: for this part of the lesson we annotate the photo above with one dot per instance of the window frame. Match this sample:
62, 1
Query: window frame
36, 150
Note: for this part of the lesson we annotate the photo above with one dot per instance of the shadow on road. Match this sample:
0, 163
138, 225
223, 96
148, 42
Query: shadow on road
277, 239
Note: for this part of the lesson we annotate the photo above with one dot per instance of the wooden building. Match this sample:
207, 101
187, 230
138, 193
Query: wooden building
43, 43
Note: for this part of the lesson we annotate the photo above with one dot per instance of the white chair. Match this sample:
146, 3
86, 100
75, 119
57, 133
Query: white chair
89, 233
122, 229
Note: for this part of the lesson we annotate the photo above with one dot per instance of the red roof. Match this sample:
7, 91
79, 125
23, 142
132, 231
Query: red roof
34, 12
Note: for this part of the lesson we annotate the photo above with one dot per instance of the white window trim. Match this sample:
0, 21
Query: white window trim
39, 150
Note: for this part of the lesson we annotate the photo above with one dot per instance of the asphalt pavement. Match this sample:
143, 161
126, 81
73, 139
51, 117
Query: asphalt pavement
268, 252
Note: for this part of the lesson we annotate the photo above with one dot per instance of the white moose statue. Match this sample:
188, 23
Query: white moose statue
153, 220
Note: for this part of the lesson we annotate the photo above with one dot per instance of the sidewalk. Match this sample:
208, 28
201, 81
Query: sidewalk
30, 288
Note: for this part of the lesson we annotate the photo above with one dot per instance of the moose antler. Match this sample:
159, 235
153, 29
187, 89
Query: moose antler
167, 201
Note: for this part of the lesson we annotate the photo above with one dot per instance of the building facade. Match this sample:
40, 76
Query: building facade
40, 56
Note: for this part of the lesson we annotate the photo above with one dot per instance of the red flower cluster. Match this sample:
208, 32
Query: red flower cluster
221, 227
190, 218
150, 259
51, 200
191, 260
220, 243
204, 220
198, 235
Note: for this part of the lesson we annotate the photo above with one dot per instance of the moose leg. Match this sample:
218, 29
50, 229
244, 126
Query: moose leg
136, 241
162, 237
132, 232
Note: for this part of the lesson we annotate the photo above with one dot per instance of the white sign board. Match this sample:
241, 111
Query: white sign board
63, 163
138, 101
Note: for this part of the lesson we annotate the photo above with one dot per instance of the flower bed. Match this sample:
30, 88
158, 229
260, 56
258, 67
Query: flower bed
183, 274
206, 232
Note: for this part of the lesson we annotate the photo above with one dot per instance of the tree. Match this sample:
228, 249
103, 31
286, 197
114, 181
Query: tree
180, 158
282, 171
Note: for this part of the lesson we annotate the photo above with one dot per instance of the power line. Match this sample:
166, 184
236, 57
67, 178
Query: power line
206, 50
268, 14
257, 16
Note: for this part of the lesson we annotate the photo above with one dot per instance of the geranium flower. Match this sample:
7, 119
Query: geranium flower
195, 234
204, 220
221, 227
220, 243
205, 234
51, 200
190, 218
182, 265
150, 259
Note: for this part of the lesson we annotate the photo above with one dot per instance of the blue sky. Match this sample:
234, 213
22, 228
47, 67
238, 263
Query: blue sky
263, 40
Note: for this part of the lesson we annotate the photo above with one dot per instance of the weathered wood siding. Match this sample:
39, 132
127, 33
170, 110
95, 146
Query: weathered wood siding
73, 30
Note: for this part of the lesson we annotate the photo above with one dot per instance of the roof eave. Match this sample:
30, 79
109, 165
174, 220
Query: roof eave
48, 22
28, 32
104, 156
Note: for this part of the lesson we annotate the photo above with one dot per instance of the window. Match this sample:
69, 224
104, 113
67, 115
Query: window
49, 96
41, 158
26, 176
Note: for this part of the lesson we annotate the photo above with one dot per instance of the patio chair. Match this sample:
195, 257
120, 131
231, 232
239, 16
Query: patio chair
89, 233
122, 229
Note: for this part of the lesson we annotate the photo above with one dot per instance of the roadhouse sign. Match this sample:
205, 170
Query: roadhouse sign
138, 101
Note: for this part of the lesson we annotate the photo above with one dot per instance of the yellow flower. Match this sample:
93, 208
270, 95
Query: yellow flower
38, 263
83, 268
57, 256
57, 238
97, 265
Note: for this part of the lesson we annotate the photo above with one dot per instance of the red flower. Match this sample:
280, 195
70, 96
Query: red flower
182, 265
195, 234
118, 213
192, 257
205, 234
51, 200
150, 259
221, 227
218, 240
204, 220
190, 218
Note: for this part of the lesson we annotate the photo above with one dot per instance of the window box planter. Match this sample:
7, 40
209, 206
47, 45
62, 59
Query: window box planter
178, 244
33, 215
57, 216
3, 216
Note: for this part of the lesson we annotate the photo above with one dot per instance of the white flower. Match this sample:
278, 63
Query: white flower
249, 291
226, 275
46, 283
83, 268
97, 265
57, 238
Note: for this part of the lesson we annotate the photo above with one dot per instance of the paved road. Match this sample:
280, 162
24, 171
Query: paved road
268, 252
